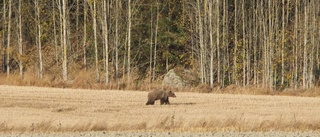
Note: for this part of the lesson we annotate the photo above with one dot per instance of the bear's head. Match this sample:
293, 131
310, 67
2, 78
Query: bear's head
171, 94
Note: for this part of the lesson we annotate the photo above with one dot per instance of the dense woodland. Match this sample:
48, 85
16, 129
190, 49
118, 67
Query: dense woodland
269, 43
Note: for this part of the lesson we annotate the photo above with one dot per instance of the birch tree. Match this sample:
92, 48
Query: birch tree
55, 33
4, 25
155, 42
8, 39
94, 12
105, 32
84, 35
201, 44
37, 6
129, 41
211, 42
64, 24
20, 41
305, 40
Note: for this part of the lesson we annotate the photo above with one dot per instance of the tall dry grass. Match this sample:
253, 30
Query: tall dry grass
86, 80
168, 123
36, 109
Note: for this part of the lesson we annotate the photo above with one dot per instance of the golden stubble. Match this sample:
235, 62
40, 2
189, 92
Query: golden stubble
37, 109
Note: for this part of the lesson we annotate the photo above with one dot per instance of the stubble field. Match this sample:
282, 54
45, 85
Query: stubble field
47, 110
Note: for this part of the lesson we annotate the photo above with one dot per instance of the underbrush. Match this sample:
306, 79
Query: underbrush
87, 80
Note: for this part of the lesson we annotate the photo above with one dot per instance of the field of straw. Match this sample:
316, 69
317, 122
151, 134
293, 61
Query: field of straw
45, 110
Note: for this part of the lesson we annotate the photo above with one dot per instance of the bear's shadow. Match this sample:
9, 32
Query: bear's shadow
188, 103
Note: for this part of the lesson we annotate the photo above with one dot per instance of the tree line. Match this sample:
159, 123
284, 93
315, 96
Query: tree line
269, 43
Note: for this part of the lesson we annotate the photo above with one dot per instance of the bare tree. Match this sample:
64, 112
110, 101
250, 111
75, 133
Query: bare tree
8, 39
84, 35
55, 33
20, 41
105, 32
129, 40
305, 40
244, 44
116, 55
151, 47
282, 42
211, 42
218, 41
155, 43
235, 43
37, 6
94, 12
4, 32
64, 24
295, 35
201, 44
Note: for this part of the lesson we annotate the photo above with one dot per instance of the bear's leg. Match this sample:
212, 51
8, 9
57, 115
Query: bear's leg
150, 102
167, 101
162, 101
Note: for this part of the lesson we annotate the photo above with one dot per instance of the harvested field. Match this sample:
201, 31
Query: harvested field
43, 110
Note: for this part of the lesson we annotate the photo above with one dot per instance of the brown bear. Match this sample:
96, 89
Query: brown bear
157, 94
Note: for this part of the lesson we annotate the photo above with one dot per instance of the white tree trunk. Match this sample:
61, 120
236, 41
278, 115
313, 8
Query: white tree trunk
20, 41
282, 43
200, 41
305, 40
95, 39
129, 40
64, 62
105, 32
55, 33
155, 44
116, 42
8, 39
84, 35
39, 38
211, 42
235, 77
151, 47
218, 41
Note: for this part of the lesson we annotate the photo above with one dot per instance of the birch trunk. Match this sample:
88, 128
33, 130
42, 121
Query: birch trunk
95, 40
305, 38
295, 35
151, 47
20, 41
8, 39
55, 33
155, 44
211, 42
116, 41
64, 60
282, 43
218, 41
106, 42
235, 79
84, 35
244, 45
39, 38
4, 33
129, 41
201, 44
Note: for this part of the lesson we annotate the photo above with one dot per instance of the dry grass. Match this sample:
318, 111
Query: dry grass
34, 109
86, 80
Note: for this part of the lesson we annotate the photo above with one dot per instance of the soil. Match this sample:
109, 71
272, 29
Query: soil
172, 134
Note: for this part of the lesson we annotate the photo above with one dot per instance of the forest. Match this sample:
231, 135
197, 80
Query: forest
269, 43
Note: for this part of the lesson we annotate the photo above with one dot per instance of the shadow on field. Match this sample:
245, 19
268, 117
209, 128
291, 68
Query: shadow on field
188, 103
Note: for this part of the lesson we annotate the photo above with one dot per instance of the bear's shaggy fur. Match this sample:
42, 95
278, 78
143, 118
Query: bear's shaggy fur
159, 94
